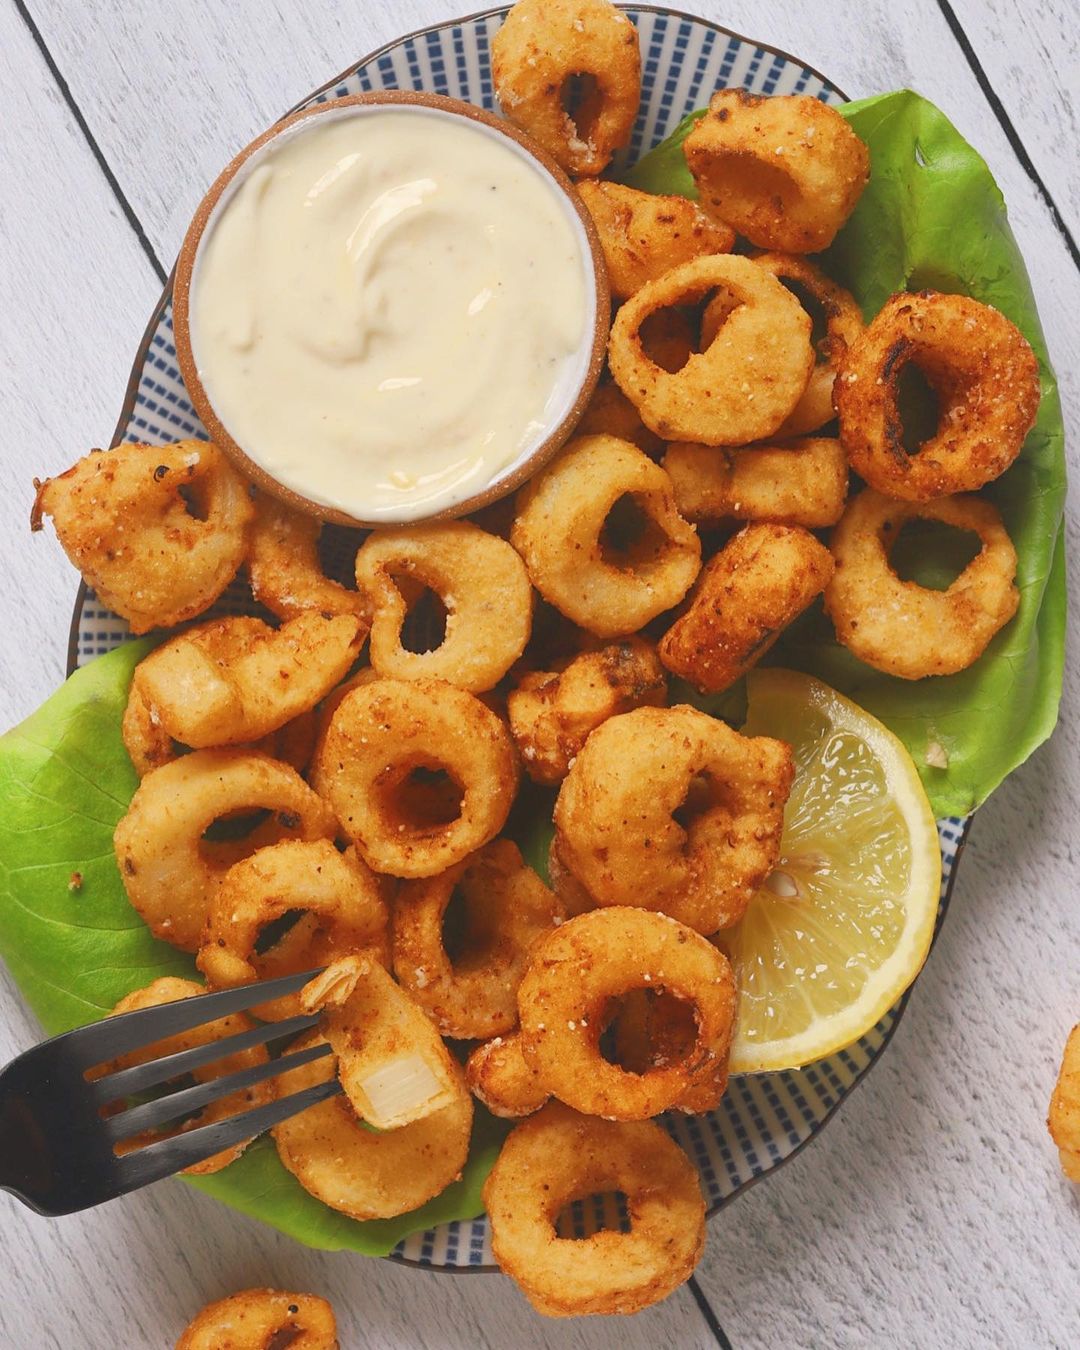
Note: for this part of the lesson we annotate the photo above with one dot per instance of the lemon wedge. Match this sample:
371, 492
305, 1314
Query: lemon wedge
843, 924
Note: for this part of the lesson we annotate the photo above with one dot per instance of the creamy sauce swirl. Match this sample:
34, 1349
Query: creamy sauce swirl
389, 308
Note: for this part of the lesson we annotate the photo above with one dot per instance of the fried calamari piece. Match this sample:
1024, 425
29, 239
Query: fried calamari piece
644, 234
170, 872
284, 569
800, 482
169, 989
552, 712
843, 324
471, 994
610, 413
257, 1319
653, 1029
499, 1076
481, 584
558, 1156
576, 973
901, 627
364, 1173
669, 809
747, 380
236, 680
568, 72
336, 900
601, 537
757, 584
392, 1062
1064, 1118
784, 171
158, 531
984, 374
420, 774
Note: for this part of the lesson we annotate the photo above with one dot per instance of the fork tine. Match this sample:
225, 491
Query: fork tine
126, 1082
119, 1035
150, 1114
157, 1161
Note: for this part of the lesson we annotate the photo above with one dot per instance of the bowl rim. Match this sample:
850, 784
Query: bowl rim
593, 343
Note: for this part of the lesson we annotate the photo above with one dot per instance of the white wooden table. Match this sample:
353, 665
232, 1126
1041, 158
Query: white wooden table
931, 1212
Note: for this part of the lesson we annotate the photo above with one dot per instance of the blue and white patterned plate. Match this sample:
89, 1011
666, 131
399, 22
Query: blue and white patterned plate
765, 1119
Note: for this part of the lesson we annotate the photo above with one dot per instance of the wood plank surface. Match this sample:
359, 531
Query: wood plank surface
931, 1211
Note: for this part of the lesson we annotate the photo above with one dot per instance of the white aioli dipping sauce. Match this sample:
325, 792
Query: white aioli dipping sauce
389, 307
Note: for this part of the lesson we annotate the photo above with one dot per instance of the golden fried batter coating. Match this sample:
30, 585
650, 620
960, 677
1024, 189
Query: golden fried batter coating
761, 581
552, 712
568, 72
557, 1156
899, 626
255, 1319
1064, 1118
499, 1076
669, 809
566, 530
158, 531
284, 568
749, 378
986, 379
800, 482
610, 413
843, 325
644, 234
784, 171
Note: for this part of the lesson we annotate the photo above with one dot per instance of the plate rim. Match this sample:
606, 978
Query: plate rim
128, 406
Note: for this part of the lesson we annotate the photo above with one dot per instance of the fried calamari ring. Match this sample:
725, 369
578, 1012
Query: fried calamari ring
564, 530
802, 482
568, 72
386, 743
575, 899
482, 585
553, 712
784, 171
169, 989
1063, 1121
901, 627
392, 1063
616, 825
558, 1156
654, 1028
589, 961
746, 596
499, 1076
507, 909
983, 372
125, 519
284, 568
749, 378
339, 898
237, 680
610, 413
644, 234
364, 1173
169, 871
843, 325
256, 1319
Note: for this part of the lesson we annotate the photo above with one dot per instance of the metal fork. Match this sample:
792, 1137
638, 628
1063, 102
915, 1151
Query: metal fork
58, 1148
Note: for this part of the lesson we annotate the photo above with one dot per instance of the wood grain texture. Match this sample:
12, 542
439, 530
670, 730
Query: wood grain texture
931, 1211
1031, 55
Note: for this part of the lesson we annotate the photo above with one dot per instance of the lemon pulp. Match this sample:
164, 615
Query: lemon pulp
842, 926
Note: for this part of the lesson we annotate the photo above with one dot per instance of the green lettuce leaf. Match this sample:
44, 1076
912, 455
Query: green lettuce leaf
75, 946
932, 217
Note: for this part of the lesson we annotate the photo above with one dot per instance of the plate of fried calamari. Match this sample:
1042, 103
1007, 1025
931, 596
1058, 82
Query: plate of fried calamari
620, 811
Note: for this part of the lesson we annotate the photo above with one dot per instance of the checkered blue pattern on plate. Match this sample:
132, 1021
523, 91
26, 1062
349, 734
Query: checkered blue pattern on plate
766, 1118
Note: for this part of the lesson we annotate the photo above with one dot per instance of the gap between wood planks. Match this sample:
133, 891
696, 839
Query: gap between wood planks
985, 85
